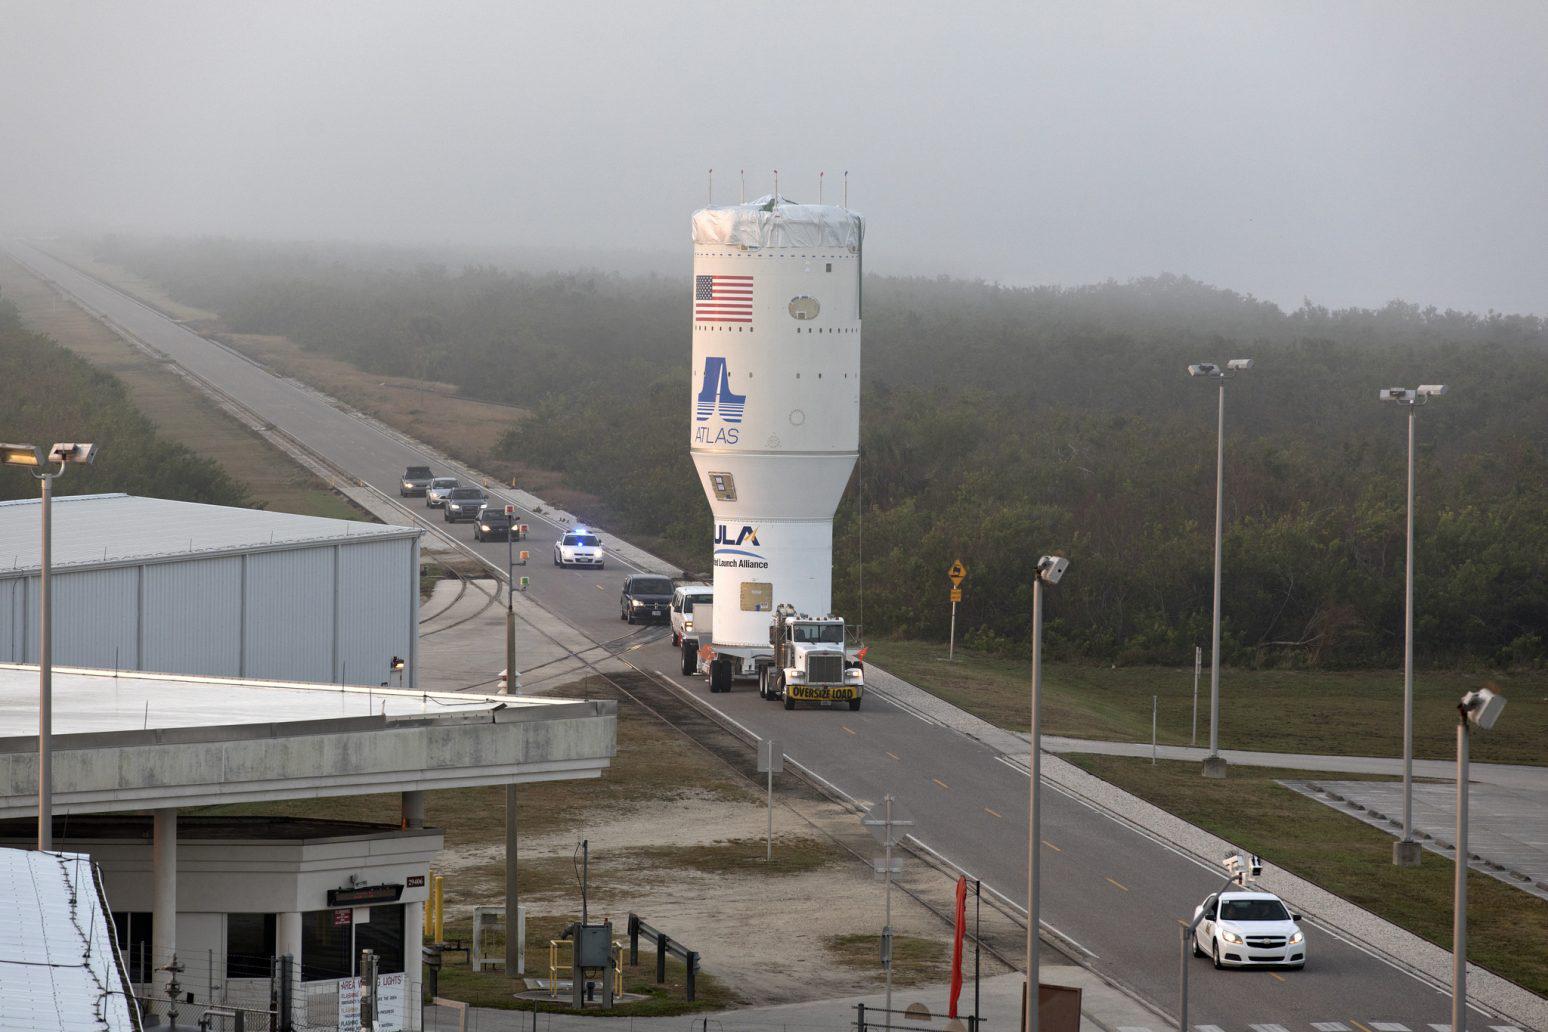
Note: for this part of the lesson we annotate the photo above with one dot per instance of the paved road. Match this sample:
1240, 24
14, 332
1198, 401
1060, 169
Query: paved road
1110, 889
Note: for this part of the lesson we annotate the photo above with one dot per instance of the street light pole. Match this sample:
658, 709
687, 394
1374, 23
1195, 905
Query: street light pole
1406, 852
1214, 763
31, 457
1049, 569
46, 671
1482, 708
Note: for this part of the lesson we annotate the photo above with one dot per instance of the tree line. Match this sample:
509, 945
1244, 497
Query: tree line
1001, 423
54, 395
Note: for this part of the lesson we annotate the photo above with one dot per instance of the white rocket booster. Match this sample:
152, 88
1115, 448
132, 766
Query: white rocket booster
775, 400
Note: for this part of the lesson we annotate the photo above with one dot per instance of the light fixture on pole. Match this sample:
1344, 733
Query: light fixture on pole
1214, 763
1406, 852
1049, 569
1483, 708
29, 456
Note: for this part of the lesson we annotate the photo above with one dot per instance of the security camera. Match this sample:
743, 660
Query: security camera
1396, 394
85, 454
1051, 567
1483, 707
1240, 365
1433, 390
1204, 369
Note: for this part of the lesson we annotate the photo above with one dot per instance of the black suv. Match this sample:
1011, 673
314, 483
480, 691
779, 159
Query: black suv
493, 525
463, 503
645, 596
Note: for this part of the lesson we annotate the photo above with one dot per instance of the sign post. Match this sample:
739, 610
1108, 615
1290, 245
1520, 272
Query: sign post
1198, 663
955, 575
880, 820
771, 762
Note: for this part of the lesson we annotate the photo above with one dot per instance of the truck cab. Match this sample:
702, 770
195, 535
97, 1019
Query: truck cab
812, 661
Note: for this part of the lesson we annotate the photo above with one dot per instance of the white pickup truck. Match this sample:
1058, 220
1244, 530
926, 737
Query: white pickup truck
686, 620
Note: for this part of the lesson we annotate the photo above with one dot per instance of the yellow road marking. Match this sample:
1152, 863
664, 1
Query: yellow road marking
1051, 846
1182, 922
847, 730
943, 784
601, 588
1359, 1026
990, 812
1120, 885
893, 755
1278, 976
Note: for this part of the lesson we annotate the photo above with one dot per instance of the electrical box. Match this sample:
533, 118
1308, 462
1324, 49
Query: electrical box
593, 944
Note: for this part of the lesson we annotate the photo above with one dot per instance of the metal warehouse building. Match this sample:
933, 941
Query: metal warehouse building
177, 587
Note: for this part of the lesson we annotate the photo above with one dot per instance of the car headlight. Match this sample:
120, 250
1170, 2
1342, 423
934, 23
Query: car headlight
1297, 939
483, 526
687, 624
407, 484
1231, 937
636, 603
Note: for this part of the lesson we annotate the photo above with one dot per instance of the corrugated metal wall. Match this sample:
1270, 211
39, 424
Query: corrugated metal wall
376, 608
262, 615
193, 617
291, 640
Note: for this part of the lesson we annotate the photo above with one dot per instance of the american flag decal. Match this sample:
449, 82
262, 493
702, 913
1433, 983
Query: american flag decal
722, 299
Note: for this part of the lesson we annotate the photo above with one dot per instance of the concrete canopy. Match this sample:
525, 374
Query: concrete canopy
150, 741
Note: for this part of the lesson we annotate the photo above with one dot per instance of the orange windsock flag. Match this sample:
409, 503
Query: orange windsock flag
956, 949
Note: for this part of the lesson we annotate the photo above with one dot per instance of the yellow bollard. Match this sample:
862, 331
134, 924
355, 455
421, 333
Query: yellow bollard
440, 913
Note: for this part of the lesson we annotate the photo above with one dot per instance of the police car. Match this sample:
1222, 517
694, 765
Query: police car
579, 547
1246, 929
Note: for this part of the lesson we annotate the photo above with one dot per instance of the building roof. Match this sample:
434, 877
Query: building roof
133, 741
58, 965
118, 529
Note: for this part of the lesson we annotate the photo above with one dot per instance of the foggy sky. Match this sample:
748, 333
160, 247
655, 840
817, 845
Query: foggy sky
1350, 153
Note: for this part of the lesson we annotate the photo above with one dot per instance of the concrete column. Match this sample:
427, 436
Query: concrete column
163, 905
287, 940
413, 810
413, 965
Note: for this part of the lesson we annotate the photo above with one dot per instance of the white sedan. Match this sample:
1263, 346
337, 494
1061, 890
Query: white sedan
1248, 929
579, 548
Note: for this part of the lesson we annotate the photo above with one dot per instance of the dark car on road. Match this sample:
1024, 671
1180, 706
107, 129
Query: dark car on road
645, 597
493, 525
416, 481
463, 503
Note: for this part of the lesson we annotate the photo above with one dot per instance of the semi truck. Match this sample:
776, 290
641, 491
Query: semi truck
808, 658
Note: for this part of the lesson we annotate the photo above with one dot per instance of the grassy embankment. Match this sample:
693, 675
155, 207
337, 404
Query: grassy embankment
1346, 713
1506, 927
271, 479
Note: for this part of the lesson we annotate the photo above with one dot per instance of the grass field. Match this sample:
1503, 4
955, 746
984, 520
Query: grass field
1506, 927
1347, 713
915, 961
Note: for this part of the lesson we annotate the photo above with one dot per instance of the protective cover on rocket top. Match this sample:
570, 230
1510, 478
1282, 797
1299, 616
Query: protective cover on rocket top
773, 221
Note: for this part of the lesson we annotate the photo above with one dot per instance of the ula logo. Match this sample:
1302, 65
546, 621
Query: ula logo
731, 550
716, 392
723, 535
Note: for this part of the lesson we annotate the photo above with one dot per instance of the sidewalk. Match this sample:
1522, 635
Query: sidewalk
1514, 776
1000, 999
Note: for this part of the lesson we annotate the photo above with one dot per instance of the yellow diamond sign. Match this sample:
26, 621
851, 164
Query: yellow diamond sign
956, 573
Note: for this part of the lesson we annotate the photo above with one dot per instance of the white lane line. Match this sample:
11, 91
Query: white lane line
1440, 1028
1330, 1026
1389, 1026
1504, 1028
1268, 1028
1133, 1028
1208, 1028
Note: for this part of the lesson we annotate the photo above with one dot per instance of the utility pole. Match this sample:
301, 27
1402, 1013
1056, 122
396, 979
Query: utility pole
882, 825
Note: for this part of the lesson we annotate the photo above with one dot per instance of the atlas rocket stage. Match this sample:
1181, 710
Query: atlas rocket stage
774, 403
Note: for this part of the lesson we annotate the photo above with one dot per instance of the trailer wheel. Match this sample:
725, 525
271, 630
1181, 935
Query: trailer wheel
690, 658
854, 704
721, 673
763, 682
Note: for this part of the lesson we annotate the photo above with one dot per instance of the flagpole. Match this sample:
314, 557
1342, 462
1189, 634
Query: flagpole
978, 906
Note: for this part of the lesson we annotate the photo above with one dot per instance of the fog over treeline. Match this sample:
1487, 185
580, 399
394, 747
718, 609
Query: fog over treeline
1350, 153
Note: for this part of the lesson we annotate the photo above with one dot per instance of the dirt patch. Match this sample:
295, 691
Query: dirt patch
178, 408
